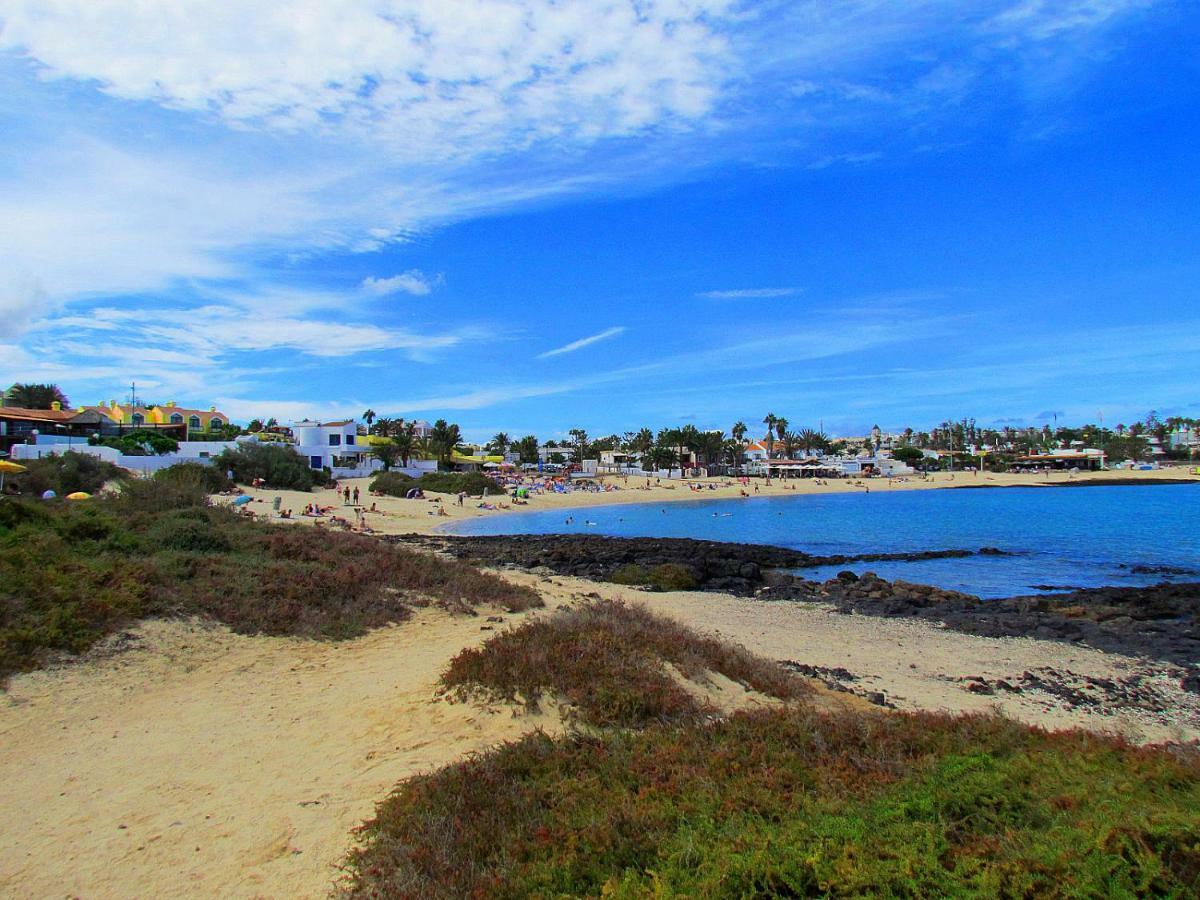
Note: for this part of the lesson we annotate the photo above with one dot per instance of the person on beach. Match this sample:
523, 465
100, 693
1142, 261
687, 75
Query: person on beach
356, 496
345, 496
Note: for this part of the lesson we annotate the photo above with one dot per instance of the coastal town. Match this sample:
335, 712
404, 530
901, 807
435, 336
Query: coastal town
636, 449
35, 421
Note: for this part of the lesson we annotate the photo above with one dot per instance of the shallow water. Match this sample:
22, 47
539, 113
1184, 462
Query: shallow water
1062, 537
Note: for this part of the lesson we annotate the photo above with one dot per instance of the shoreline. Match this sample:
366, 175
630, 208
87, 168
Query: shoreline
394, 515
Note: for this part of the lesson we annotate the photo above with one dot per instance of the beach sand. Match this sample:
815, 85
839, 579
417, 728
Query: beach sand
187, 760
398, 516
198, 762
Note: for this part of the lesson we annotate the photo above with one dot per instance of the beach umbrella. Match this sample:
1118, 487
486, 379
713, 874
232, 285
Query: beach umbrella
242, 500
79, 495
7, 467
48, 495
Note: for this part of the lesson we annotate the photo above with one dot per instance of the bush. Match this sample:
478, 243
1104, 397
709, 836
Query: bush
667, 577
794, 803
66, 473
394, 484
207, 478
71, 573
278, 465
142, 442
607, 660
187, 529
453, 482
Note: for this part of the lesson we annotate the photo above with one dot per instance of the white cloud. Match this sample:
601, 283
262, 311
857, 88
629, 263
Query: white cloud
412, 282
584, 342
749, 293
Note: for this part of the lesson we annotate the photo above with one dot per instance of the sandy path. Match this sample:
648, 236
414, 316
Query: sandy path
396, 516
204, 763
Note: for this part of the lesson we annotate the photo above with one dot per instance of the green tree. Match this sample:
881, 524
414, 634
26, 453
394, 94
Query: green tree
277, 464
527, 449
387, 452
579, 444
500, 443
810, 439
368, 416
769, 420
781, 427
444, 437
35, 396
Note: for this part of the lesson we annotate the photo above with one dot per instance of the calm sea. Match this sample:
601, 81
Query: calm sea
1062, 537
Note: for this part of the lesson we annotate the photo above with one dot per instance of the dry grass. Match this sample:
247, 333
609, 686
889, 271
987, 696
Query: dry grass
606, 659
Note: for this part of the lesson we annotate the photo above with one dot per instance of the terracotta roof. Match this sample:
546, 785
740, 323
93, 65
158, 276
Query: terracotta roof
41, 415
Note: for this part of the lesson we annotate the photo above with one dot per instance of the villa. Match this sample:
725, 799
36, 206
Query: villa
165, 416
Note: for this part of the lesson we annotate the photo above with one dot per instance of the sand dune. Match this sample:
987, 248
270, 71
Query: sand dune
193, 761
204, 763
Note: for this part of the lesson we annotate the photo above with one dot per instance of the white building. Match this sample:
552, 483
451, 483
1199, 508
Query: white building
336, 446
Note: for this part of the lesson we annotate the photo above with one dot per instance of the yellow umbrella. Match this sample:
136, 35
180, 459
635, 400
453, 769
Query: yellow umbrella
5, 467
79, 495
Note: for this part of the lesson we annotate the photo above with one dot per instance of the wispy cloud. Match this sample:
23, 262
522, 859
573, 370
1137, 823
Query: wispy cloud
413, 282
749, 293
584, 342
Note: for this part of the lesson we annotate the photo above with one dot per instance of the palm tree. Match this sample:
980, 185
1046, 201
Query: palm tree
790, 441
35, 396
501, 443
810, 438
406, 442
739, 436
444, 437
770, 421
381, 427
368, 417
781, 427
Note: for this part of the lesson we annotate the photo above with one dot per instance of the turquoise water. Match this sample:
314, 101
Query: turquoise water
1076, 537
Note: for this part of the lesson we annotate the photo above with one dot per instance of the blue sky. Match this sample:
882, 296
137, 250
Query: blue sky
533, 216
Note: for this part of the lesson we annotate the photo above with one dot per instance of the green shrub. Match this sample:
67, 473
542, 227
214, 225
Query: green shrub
394, 484
453, 482
795, 803
207, 478
607, 660
667, 577
71, 573
142, 442
66, 473
278, 465
187, 529
631, 574
673, 577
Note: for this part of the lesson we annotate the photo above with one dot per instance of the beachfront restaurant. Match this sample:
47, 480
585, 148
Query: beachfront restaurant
1085, 460
794, 468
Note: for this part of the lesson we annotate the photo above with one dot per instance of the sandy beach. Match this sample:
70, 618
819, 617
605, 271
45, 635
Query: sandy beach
189, 760
393, 515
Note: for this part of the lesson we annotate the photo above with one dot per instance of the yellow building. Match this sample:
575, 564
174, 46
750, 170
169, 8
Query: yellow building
210, 419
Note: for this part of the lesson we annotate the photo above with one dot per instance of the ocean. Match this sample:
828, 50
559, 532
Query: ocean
1058, 538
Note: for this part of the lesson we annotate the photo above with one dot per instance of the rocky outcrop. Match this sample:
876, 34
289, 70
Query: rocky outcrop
1160, 622
715, 565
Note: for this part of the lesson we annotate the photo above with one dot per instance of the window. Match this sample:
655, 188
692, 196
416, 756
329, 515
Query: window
194, 423
176, 419
215, 423
138, 419
335, 440
349, 440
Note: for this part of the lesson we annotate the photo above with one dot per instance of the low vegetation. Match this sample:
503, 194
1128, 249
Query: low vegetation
397, 484
781, 801
278, 465
794, 803
666, 577
606, 659
72, 573
64, 474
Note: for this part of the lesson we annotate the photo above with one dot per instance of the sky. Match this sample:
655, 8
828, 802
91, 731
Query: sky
530, 216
